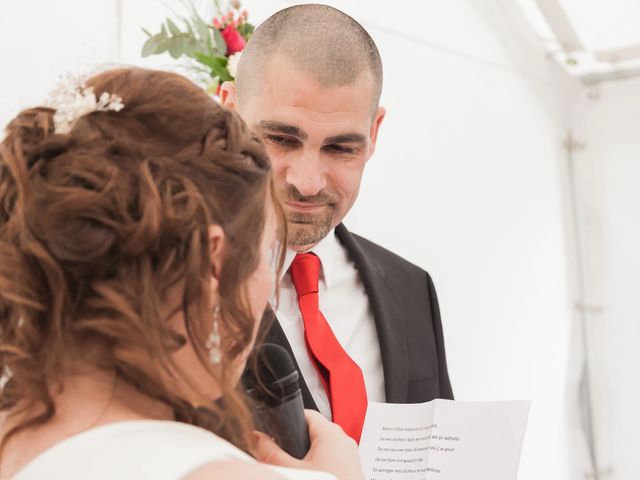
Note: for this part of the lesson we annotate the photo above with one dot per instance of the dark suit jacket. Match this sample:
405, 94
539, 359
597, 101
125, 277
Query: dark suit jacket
405, 308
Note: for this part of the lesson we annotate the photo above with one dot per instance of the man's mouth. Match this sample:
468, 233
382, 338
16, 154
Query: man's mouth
305, 206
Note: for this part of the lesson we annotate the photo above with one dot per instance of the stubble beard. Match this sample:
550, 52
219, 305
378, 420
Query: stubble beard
306, 229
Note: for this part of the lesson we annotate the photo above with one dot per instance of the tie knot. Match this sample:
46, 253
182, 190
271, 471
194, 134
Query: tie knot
305, 271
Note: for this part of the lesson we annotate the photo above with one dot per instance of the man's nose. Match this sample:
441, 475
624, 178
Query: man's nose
306, 174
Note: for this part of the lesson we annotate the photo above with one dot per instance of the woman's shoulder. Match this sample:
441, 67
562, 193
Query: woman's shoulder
129, 449
250, 471
235, 469
163, 450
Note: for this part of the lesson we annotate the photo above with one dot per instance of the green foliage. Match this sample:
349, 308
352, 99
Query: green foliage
218, 42
197, 39
173, 28
178, 42
217, 64
246, 30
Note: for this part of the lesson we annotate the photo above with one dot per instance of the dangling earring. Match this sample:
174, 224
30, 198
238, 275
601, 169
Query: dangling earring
213, 342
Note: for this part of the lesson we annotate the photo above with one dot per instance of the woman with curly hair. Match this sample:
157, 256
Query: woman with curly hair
138, 234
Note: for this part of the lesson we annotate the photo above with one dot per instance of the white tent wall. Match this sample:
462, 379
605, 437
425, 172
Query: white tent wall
607, 124
468, 181
40, 40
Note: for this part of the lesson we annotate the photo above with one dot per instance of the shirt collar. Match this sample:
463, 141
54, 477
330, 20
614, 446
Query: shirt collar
325, 249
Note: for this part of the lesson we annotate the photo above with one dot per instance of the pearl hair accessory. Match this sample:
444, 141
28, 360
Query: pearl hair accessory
71, 99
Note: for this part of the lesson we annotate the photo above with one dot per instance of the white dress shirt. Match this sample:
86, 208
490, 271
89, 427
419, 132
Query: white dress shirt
345, 305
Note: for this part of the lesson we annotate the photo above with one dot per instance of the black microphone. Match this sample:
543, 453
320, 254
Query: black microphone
278, 400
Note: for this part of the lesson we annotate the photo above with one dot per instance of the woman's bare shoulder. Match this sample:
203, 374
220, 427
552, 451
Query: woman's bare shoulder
239, 469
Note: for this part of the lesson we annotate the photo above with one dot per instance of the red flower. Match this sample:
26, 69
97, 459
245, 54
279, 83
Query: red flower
235, 42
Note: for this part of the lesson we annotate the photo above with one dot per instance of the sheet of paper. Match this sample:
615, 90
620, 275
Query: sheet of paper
443, 440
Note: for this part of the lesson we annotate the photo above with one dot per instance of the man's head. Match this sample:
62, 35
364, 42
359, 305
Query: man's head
309, 83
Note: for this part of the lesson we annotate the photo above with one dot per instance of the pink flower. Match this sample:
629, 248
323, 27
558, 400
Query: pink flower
235, 42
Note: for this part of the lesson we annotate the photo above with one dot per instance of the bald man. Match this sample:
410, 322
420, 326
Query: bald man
362, 323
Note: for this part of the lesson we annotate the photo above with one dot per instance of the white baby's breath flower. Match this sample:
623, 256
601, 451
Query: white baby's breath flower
232, 64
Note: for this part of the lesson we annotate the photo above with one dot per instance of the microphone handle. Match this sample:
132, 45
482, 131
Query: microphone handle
287, 423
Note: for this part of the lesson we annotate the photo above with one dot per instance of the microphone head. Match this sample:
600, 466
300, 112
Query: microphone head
275, 378
274, 362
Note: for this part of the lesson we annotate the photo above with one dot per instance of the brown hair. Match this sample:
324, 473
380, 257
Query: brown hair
98, 225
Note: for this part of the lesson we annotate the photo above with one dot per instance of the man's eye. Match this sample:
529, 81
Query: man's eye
281, 140
341, 149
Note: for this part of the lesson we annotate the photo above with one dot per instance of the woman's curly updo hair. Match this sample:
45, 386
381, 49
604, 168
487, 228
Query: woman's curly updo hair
97, 226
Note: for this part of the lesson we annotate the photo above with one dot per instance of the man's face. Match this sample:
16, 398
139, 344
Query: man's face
319, 140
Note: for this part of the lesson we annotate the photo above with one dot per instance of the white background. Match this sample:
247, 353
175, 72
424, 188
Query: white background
608, 169
471, 181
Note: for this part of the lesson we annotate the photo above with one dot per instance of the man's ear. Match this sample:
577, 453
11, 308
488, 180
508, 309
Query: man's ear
228, 97
216, 249
375, 128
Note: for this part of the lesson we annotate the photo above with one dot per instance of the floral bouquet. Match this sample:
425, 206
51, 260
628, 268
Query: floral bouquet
216, 45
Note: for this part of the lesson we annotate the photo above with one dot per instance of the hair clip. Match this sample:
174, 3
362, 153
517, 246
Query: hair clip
71, 99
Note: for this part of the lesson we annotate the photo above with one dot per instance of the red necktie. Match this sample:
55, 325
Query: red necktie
341, 376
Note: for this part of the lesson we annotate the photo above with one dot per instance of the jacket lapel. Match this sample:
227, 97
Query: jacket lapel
277, 335
384, 306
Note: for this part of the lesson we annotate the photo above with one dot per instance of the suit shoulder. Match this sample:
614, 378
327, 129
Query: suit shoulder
386, 258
